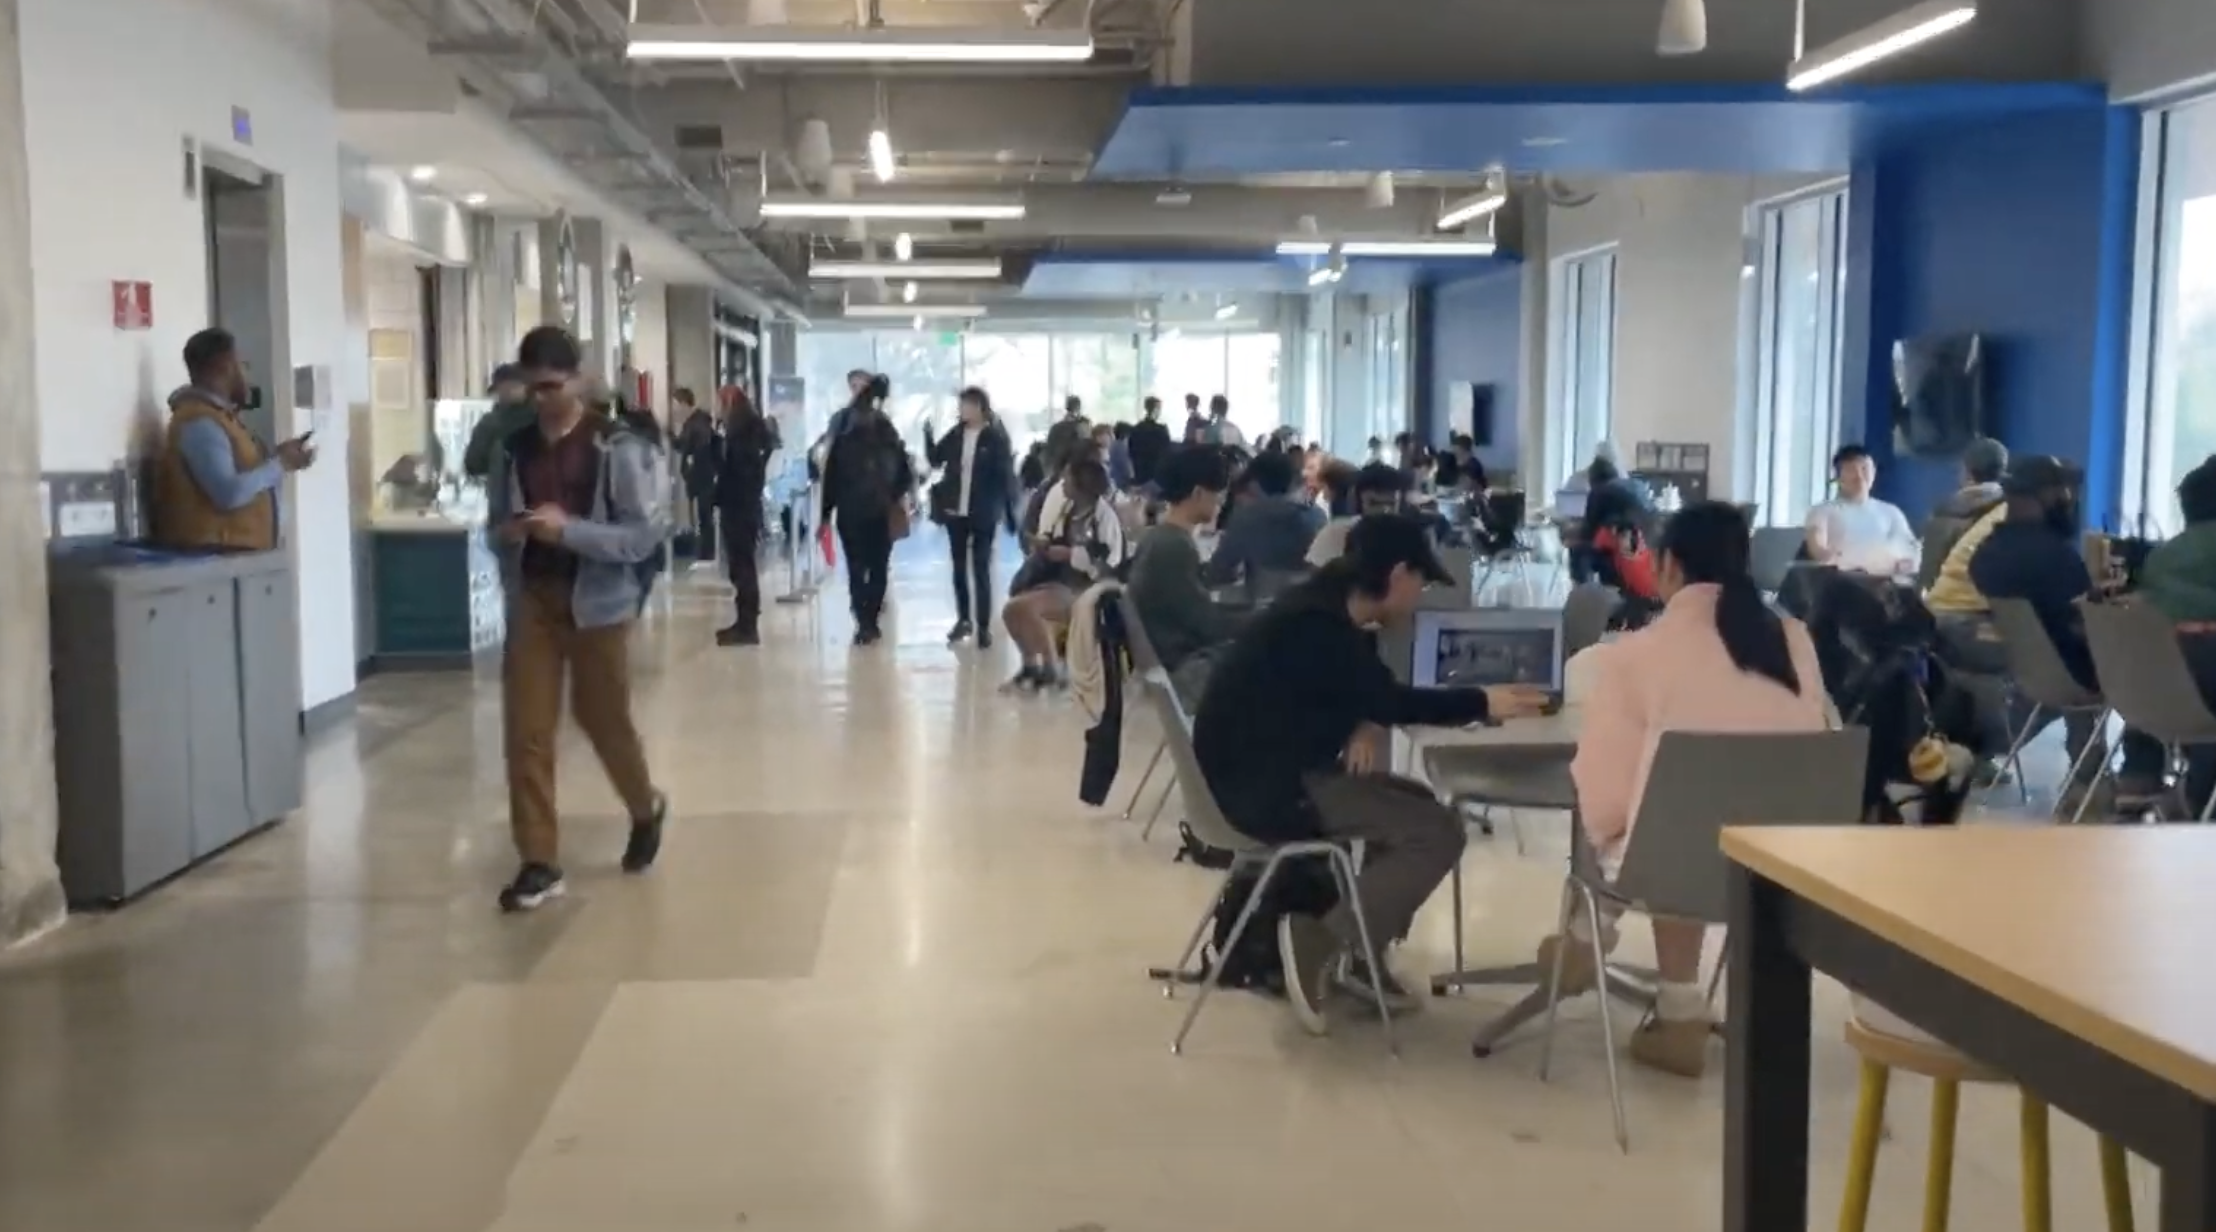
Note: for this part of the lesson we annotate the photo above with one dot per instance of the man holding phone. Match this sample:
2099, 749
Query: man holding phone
575, 512
217, 486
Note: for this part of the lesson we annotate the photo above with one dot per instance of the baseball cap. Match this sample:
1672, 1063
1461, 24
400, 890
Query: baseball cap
2039, 473
1380, 541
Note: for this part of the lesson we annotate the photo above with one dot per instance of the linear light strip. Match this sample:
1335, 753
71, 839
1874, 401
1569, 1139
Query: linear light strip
1908, 28
1442, 247
1471, 208
982, 268
966, 210
950, 311
913, 45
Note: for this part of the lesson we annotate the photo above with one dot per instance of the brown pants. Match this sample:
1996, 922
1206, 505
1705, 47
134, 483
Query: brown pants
545, 645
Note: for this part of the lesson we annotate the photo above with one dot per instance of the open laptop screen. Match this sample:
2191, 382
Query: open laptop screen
1484, 646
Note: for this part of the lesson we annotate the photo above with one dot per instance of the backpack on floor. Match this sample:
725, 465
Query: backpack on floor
1304, 886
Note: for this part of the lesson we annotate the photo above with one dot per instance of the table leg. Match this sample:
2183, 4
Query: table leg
2189, 1181
1766, 1066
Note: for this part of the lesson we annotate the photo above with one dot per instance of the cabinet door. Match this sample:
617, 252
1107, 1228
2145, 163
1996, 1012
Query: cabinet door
154, 694
219, 813
269, 686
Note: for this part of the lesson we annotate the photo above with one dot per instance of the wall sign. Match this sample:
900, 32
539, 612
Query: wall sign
627, 306
134, 305
242, 126
565, 272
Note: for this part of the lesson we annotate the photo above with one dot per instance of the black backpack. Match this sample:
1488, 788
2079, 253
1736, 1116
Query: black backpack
1304, 886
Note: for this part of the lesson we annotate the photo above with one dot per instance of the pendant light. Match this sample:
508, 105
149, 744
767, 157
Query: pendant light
1684, 29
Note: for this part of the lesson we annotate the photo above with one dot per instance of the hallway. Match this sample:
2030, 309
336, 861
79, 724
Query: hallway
888, 976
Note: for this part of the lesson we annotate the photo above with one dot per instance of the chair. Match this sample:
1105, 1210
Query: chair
1885, 1050
1585, 616
2044, 680
1486, 777
2146, 679
1674, 867
1208, 824
1145, 665
1772, 553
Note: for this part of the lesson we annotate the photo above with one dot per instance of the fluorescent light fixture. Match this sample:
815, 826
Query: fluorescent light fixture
474, 200
917, 323
1443, 247
1227, 312
884, 45
1684, 29
881, 155
882, 311
423, 174
904, 246
982, 267
1324, 275
908, 293
1908, 28
1304, 248
1469, 208
970, 209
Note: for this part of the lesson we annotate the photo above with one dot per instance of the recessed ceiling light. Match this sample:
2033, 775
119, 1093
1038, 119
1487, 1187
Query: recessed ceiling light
474, 200
1541, 143
423, 174
1337, 143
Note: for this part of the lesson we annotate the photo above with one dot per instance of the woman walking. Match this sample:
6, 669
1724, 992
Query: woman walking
976, 489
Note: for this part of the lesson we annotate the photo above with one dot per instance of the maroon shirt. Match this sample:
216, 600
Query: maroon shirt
566, 473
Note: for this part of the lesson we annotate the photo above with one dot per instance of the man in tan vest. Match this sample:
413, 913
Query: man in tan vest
216, 485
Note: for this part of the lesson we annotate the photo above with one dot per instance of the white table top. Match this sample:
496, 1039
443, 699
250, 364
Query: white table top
1553, 729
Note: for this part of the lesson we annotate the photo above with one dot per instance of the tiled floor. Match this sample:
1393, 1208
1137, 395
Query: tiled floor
888, 977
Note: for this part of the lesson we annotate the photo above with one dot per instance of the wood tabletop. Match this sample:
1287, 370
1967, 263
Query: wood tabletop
2101, 930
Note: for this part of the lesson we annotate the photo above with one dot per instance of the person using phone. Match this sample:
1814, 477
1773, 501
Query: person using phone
217, 485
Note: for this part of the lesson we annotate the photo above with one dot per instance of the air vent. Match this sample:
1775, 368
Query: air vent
700, 137
966, 226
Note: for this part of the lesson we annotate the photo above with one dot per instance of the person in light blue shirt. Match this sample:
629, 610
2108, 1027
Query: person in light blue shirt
217, 485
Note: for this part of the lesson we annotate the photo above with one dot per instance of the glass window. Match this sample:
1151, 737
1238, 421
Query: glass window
1017, 371
1582, 338
1800, 276
1250, 378
826, 356
2177, 430
924, 369
1102, 369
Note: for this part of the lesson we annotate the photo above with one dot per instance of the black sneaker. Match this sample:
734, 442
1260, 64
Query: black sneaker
533, 886
1026, 680
738, 635
646, 838
984, 637
960, 632
1358, 980
1309, 953
868, 635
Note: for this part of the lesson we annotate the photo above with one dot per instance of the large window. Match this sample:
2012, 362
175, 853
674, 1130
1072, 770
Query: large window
1241, 367
1800, 276
1017, 370
1582, 339
2177, 428
1102, 369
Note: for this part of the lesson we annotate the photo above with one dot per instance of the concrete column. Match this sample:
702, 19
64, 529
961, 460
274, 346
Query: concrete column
596, 308
692, 339
30, 884
557, 271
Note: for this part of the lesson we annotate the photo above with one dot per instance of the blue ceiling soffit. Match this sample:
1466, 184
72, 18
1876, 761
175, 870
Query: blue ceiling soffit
1203, 134
1138, 275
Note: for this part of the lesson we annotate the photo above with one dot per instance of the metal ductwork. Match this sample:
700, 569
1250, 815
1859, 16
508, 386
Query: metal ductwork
523, 59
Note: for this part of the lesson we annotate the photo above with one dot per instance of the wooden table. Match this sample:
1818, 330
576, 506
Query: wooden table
2072, 958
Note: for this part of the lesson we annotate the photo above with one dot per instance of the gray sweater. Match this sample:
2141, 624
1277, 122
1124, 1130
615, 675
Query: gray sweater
1165, 588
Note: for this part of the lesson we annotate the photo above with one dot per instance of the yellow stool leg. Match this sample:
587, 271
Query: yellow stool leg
2116, 1185
1946, 1101
2038, 1192
1869, 1127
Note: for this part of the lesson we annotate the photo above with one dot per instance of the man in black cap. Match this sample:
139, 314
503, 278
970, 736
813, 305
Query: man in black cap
1290, 735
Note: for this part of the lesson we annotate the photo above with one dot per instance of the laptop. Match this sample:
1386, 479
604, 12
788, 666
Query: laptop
1482, 646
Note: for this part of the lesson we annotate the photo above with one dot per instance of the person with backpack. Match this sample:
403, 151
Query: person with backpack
582, 504
867, 477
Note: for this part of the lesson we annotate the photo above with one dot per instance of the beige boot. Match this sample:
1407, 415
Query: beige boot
1579, 975
1673, 1045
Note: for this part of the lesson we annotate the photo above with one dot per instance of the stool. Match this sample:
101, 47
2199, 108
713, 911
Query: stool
1882, 1052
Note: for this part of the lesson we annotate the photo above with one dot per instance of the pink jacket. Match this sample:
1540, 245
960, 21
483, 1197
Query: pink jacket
1675, 675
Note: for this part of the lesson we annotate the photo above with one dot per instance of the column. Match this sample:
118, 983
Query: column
692, 339
596, 308
30, 885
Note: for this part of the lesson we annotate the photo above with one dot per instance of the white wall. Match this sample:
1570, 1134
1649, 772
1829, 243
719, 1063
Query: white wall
111, 90
650, 345
1680, 245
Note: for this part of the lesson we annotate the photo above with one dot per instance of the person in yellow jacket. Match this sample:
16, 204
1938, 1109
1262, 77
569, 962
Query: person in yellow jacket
216, 485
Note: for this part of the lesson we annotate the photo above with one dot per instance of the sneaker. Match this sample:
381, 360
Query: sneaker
867, 635
738, 635
1673, 1045
1359, 980
1579, 976
1308, 951
960, 632
1026, 680
533, 886
646, 838
984, 637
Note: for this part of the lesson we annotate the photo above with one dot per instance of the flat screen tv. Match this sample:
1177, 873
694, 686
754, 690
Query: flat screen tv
1938, 394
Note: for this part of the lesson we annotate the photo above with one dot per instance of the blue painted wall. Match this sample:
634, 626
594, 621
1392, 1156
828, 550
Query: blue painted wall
1472, 331
2018, 229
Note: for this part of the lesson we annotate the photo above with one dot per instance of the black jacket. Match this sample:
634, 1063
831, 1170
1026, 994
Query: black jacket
697, 452
742, 463
992, 495
1149, 445
867, 471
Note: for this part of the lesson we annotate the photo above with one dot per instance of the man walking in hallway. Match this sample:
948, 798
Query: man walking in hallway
579, 509
742, 472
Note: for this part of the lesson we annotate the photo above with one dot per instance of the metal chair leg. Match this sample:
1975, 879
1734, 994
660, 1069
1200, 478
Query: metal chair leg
1238, 930
1342, 862
1183, 965
1138, 793
1146, 832
2014, 756
1607, 1025
1456, 880
1554, 978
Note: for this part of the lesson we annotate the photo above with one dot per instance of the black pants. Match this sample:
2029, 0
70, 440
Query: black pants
868, 545
970, 541
742, 541
704, 526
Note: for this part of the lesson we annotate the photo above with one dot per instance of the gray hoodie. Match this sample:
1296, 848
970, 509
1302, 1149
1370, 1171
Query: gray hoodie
628, 522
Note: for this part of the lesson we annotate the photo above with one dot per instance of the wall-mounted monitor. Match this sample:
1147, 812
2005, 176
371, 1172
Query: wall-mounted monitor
1938, 394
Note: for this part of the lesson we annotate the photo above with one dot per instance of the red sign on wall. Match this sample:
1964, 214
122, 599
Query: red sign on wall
134, 305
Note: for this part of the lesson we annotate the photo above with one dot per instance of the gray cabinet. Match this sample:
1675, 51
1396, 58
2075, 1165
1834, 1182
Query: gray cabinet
176, 710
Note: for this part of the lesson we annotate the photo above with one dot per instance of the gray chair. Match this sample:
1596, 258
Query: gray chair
1585, 615
1674, 867
1209, 825
2145, 676
1485, 777
1771, 555
1145, 665
2044, 680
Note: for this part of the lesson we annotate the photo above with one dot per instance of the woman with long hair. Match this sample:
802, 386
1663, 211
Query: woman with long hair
975, 491
867, 480
1716, 659
1080, 542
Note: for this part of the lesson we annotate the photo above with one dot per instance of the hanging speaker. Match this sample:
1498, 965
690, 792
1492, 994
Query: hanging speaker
1684, 29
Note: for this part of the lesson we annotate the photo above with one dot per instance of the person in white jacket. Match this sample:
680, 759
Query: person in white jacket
1080, 545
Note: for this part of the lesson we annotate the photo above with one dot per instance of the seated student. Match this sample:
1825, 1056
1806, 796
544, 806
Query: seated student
1967, 639
1716, 659
1186, 627
2179, 577
1377, 489
1081, 542
1984, 461
1267, 529
1855, 530
1288, 737
2032, 554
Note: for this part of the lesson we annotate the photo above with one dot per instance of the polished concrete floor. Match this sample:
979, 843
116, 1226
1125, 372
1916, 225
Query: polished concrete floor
888, 976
